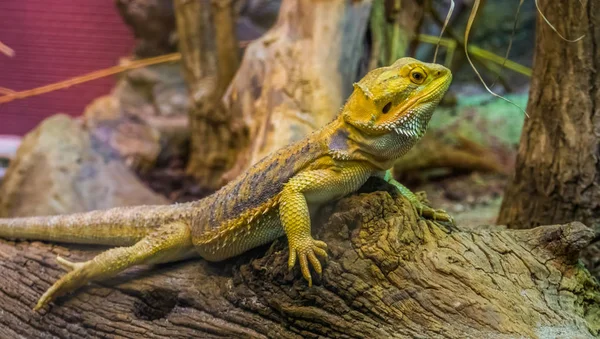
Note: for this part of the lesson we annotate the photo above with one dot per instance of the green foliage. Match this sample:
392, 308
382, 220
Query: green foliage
482, 119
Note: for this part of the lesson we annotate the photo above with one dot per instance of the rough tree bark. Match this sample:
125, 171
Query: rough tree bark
557, 176
389, 275
210, 56
294, 78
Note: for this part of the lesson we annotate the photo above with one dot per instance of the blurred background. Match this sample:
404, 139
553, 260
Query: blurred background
53, 41
245, 83
58, 39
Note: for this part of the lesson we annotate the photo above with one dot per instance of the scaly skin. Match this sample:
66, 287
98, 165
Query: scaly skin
385, 116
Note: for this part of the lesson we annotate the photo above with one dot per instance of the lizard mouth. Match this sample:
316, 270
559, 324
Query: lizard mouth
401, 121
407, 117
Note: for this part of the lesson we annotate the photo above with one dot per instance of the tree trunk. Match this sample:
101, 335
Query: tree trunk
389, 275
210, 56
294, 78
557, 176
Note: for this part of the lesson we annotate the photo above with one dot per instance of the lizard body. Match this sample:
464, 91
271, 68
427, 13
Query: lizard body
385, 116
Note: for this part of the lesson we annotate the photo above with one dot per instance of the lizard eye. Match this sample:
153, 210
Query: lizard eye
417, 76
386, 108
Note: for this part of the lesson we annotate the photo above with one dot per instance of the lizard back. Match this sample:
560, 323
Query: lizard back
254, 191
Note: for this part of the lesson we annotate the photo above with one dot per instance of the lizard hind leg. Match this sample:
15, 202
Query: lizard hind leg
171, 242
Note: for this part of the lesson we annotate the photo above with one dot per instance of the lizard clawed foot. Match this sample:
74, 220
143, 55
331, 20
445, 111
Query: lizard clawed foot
305, 251
432, 214
78, 276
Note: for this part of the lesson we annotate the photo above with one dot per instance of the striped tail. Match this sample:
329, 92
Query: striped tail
121, 226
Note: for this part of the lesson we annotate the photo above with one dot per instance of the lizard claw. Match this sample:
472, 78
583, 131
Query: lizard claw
306, 252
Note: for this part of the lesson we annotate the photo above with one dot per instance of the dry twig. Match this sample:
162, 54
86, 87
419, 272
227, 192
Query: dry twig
12, 95
6, 50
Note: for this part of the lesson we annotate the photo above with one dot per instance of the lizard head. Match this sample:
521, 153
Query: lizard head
397, 99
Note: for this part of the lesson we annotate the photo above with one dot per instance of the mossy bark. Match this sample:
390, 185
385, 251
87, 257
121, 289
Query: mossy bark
389, 275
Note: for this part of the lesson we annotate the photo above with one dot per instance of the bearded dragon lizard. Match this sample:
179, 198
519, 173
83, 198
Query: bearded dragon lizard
386, 114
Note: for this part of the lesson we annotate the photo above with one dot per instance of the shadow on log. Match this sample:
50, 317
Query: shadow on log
390, 275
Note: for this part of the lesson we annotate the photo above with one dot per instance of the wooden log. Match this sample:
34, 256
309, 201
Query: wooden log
389, 275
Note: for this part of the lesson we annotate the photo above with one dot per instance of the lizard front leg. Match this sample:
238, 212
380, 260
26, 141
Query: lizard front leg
316, 186
170, 242
420, 207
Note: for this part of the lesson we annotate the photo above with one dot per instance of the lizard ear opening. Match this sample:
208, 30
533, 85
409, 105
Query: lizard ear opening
361, 110
361, 103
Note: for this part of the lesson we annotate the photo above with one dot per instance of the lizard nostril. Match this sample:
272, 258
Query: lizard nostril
386, 108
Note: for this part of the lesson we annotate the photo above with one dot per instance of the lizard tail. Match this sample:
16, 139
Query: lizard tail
116, 227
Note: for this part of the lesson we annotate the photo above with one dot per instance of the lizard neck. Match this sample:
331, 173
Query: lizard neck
347, 142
